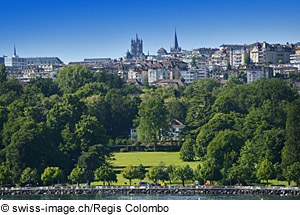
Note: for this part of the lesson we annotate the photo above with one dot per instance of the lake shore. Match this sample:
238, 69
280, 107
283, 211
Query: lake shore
168, 190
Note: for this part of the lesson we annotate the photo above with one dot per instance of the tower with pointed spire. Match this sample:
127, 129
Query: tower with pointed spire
175, 48
137, 48
15, 51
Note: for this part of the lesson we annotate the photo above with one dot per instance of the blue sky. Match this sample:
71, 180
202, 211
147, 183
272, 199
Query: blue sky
73, 30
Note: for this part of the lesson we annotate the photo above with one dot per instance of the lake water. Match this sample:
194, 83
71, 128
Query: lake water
148, 197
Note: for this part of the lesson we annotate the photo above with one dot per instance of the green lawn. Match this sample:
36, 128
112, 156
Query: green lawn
148, 159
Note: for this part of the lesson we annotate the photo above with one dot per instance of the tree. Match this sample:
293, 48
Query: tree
184, 173
187, 150
142, 172
247, 60
71, 78
90, 132
5, 175
52, 174
245, 169
197, 174
78, 174
291, 150
210, 171
105, 174
155, 173
177, 108
193, 63
171, 171
152, 120
97, 155
29, 176
266, 171
292, 173
3, 74
130, 173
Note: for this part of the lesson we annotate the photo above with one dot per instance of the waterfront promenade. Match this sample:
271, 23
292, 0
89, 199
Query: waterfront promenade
136, 190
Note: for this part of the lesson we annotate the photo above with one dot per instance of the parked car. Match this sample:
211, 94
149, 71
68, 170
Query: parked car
163, 184
29, 185
208, 184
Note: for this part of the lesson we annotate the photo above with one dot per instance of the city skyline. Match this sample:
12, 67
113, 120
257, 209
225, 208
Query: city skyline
74, 30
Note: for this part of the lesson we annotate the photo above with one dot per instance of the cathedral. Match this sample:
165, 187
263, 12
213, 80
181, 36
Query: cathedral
137, 48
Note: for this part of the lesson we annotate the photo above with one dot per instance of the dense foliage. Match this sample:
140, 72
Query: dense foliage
241, 133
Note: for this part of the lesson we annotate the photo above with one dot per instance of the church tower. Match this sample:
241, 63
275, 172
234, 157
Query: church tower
175, 47
137, 48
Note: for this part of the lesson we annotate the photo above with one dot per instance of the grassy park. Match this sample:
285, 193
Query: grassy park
147, 159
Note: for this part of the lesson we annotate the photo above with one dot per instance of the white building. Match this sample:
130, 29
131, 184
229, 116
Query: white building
254, 73
135, 74
194, 74
237, 57
157, 74
295, 58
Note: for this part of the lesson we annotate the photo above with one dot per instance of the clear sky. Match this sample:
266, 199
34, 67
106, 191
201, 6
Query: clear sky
74, 30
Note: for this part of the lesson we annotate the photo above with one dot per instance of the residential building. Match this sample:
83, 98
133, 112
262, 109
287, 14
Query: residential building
295, 58
194, 74
1, 60
135, 74
256, 72
95, 61
176, 128
262, 53
168, 82
284, 70
37, 61
220, 57
158, 74
237, 57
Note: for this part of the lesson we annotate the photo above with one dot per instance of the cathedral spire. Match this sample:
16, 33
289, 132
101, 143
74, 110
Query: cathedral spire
175, 48
15, 51
175, 41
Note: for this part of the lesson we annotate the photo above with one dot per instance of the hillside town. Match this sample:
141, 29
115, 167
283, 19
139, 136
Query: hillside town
177, 67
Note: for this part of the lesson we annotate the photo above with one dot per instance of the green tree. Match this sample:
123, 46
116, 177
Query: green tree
97, 155
142, 172
155, 173
71, 78
51, 174
197, 174
3, 74
292, 173
5, 175
210, 171
266, 171
29, 176
105, 174
187, 150
193, 63
184, 173
152, 120
247, 60
171, 171
291, 150
90, 132
130, 173
245, 168
78, 175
